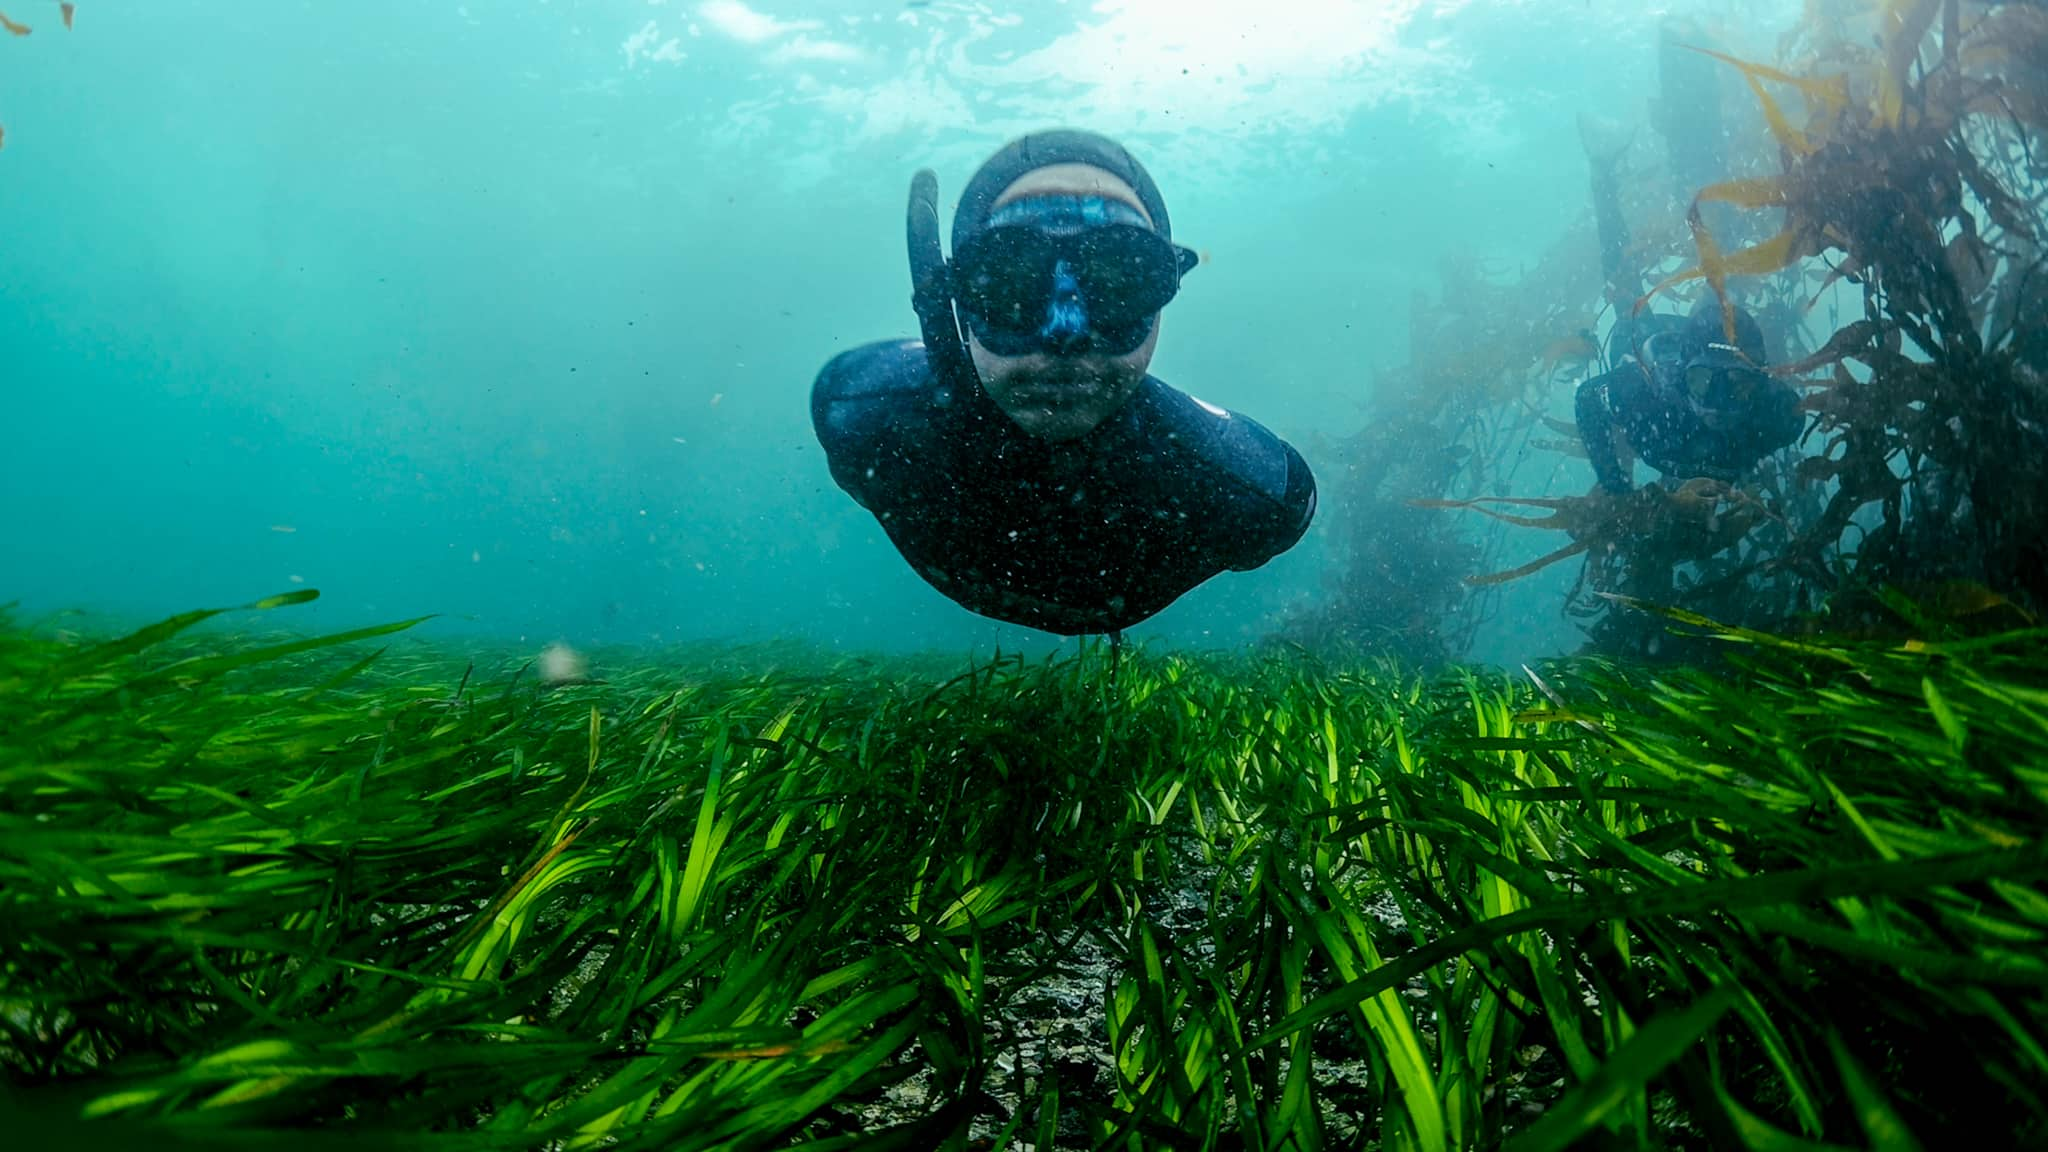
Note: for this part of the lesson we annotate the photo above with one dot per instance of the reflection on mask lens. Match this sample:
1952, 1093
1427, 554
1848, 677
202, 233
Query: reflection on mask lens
1125, 276
1712, 384
1699, 380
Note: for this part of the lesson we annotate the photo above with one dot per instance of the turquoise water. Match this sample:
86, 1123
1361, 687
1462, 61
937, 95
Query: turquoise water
509, 311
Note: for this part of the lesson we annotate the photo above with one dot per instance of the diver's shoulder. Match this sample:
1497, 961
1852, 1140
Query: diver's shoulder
877, 373
1224, 439
871, 395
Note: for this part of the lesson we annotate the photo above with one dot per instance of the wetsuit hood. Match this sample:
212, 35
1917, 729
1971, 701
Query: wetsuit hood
931, 278
1028, 154
1704, 329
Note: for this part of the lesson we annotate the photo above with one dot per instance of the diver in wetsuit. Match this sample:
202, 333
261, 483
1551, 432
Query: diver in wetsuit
1679, 393
1019, 457
1687, 401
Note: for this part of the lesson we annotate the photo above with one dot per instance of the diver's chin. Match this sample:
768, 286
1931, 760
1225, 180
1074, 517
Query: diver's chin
1053, 397
1055, 393
1061, 373
1055, 422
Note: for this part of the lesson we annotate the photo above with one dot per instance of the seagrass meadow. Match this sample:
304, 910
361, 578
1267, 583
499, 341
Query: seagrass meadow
259, 890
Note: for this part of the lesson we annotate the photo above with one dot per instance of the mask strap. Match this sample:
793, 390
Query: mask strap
1717, 346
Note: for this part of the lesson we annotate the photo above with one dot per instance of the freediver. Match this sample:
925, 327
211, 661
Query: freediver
1689, 403
1019, 456
1679, 392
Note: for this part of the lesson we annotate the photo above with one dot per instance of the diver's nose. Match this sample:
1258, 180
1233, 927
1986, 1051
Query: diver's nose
1066, 314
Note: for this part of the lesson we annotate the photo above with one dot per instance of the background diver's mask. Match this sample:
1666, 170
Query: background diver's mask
1722, 377
1712, 375
1066, 274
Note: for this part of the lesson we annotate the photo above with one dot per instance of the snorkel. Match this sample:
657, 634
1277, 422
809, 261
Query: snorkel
931, 285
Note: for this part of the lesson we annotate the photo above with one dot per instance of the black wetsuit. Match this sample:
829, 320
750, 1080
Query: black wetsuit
1647, 401
1669, 430
1091, 535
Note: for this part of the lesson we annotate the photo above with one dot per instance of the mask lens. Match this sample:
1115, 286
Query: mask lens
1006, 278
1125, 274
1716, 386
1699, 380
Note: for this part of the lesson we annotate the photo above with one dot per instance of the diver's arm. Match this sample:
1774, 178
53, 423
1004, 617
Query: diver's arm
1285, 520
1596, 431
1255, 482
858, 404
1771, 422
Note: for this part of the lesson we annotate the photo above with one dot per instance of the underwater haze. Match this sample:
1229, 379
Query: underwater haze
509, 310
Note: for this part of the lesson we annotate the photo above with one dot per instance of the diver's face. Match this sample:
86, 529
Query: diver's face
1064, 395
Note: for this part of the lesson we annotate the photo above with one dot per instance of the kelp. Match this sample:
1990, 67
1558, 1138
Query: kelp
1576, 350
1483, 341
1827, 101
2010, 46
1398, 584
1485, 354
1846, 155
1933, 399
1691, 522
1903, 198
15, 28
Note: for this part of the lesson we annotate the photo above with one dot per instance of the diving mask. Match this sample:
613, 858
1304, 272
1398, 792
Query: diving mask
1722, 376
1059, 273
